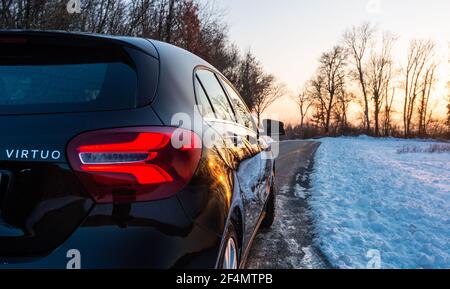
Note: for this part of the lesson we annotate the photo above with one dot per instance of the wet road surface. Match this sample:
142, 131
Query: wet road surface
289, 243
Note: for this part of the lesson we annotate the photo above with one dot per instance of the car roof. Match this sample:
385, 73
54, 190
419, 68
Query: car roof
136, 42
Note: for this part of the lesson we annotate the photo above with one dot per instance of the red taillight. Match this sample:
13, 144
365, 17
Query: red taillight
135, 164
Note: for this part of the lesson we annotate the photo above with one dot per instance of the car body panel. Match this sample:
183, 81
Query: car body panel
231, 183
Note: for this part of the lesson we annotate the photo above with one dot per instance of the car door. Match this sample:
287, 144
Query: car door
252, 169
241, 147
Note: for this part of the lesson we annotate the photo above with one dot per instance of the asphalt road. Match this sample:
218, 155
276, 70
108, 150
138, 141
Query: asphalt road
289, 243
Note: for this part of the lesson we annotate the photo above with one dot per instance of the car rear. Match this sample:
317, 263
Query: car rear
87, 170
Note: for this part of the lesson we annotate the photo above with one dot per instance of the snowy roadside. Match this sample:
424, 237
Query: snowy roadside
367, 199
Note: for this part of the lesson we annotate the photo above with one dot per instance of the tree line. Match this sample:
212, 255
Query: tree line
395, 98
195, 26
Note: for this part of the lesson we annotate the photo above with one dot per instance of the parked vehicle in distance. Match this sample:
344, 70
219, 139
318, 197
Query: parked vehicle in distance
90, 176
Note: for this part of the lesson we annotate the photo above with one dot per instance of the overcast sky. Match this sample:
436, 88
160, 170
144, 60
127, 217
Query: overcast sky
288, 36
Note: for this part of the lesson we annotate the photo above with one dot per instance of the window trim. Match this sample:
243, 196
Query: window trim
224, 79
216, 75
197, 79
227, 96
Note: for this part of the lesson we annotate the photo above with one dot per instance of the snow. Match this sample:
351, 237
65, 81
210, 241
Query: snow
366, 198
311, 260
299, 191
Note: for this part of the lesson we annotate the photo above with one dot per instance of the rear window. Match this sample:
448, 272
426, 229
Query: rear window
37, 78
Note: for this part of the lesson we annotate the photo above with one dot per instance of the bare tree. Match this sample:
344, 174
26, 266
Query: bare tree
388, 101
29, 14
419, 56
258, 89
424, 114
304, 101
448, 111
269, 90
329, 83
319, 102
357, 40
249, 75
379, 76
344, 98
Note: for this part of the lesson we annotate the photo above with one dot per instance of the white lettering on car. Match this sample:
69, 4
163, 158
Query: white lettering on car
9, 153
32, 154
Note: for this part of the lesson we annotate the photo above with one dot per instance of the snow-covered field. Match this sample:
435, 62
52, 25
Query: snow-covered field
369, 199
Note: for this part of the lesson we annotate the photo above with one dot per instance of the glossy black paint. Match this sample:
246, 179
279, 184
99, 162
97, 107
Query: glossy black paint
45, 212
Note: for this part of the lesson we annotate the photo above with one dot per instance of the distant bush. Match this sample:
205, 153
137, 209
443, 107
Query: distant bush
433, 148
311, 130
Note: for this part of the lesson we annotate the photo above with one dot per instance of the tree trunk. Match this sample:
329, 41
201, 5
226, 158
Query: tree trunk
366, 101
170, 21
377, 127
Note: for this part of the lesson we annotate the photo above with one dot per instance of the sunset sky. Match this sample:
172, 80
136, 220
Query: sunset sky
288, 36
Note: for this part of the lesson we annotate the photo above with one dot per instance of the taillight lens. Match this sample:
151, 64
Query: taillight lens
135, 164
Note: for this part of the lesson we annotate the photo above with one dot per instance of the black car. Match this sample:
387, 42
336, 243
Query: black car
90, 174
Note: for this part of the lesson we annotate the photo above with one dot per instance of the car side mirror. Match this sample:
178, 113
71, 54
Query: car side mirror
273, 128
